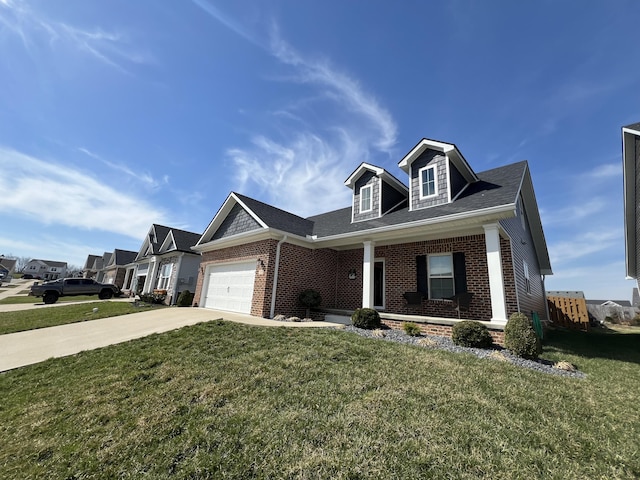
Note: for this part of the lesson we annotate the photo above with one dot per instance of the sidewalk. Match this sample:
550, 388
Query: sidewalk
33, 346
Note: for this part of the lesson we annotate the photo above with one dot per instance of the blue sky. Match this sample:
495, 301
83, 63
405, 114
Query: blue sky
115, 115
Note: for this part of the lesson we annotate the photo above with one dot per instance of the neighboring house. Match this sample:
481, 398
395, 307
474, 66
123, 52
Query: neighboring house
89, 271
7, 268
46, 269
451, 230
165, 261
115, 269
631, 182
99, 264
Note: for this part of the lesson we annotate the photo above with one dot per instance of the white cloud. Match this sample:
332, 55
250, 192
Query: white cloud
575, 213
296, 175
47, 247
143, 177
313, 161
582, 245
346, 91
606, 170
35, 30
52, 193
598, 282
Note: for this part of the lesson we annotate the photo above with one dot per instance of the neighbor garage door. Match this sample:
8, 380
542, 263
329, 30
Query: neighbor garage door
230, 287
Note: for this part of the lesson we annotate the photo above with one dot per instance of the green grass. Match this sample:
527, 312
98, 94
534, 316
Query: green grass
11, 322
222, 400
13, 300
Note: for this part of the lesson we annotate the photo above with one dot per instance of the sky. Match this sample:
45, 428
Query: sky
116, 115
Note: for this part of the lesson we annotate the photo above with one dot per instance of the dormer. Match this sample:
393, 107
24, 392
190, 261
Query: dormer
375, 192
438, 173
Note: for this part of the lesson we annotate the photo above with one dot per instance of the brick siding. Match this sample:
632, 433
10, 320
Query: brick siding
327, 271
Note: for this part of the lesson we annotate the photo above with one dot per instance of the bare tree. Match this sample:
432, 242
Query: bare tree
21, 262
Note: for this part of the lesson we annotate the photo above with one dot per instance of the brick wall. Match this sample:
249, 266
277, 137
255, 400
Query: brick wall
328, 270
441, 330
302, 268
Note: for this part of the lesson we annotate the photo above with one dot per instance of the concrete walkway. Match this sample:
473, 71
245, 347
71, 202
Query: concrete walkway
33, 346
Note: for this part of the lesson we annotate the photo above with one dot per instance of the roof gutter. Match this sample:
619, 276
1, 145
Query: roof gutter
272, 312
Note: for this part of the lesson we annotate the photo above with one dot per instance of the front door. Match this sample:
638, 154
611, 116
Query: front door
378, 284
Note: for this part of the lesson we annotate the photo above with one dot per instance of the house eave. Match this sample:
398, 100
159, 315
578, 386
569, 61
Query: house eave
467, 222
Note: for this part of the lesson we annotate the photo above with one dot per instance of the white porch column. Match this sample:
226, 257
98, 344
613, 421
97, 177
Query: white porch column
367, 274
151, 275
496, 281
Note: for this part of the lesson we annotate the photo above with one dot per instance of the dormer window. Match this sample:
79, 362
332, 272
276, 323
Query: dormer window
428, 184
365, 199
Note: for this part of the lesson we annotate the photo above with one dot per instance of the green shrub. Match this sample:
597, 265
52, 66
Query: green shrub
366, 318
185, 299
520, 337
472, 334
411, 329
157, 298
309, 299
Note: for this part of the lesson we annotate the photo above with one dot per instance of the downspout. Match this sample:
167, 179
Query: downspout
275, 278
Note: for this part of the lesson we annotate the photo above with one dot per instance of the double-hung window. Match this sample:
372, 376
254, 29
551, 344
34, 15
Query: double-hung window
428, 181
365, 199
527, 280
165, 274
440, 270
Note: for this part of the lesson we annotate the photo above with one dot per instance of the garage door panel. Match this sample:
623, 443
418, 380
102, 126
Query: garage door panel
230, 287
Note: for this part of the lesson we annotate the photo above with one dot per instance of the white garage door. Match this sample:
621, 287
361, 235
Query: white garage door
230, 287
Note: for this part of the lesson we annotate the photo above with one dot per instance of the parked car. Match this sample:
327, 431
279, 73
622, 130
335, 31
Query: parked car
27, 276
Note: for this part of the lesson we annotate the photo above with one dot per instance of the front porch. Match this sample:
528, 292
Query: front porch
429, 325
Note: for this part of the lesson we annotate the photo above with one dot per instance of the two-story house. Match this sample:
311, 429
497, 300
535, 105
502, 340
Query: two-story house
446, 231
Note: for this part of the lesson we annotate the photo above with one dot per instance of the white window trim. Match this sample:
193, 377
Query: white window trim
452, 277
435, 181
163, 280
364, 187
527, 278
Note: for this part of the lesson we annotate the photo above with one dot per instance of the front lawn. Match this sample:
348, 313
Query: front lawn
11, 322
222, 400
33, 300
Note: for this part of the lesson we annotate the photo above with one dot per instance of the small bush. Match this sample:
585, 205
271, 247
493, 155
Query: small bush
366, 318
156, 298
472, 334
411, 329
520, 337
185, 298
309, 299
635, 321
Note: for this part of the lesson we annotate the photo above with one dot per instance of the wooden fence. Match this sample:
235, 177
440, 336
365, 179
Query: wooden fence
569, 312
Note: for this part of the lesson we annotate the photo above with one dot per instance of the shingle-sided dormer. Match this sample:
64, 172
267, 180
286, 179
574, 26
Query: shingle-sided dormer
437, 173
375, 192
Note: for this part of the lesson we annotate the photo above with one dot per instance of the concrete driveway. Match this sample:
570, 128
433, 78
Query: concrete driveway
33, 346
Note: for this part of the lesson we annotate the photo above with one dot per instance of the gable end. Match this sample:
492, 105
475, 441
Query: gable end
237, 221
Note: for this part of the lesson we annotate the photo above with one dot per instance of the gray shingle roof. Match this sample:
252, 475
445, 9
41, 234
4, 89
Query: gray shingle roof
277, 218
633, 126
185, 240
496, 187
